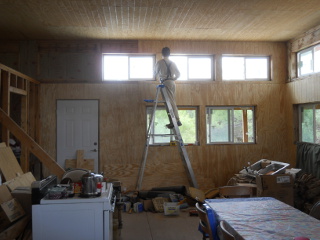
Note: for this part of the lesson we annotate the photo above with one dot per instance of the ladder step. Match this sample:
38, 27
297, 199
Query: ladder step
152, 101
162, 135
178, 139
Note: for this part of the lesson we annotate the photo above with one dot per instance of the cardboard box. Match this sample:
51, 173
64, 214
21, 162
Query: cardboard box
15, 229
252, 185
24, 180
279, 186
4, 223
5, 194
148, 205
10, 208
24, 197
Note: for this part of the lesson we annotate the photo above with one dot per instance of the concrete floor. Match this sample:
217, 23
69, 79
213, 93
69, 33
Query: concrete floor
157, 226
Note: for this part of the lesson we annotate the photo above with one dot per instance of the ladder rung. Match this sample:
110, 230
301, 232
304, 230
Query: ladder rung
152, 101
178, 139
162, 135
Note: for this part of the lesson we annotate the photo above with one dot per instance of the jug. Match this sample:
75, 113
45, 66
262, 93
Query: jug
91, 184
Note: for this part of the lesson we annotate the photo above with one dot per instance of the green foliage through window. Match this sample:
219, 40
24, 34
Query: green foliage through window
188, 130
309, 60
309, 123
230, 125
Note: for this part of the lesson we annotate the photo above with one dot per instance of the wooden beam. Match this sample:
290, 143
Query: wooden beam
24, 157
34, 147
4, 67
34, 116
245, 125
5, 83
0, 80
18, 91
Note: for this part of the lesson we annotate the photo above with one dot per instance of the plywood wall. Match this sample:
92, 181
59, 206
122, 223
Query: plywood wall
123, 122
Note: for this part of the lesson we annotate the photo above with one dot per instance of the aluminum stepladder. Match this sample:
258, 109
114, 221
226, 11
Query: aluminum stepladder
182, 150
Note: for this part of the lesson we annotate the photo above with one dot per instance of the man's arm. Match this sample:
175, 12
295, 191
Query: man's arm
175, 71
156, 71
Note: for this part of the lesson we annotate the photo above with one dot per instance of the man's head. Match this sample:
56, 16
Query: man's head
166, 52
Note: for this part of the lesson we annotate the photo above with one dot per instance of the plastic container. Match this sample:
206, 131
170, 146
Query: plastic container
171, 208
126, 206
138, 207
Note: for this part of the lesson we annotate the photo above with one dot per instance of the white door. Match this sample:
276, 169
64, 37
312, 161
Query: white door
77, 129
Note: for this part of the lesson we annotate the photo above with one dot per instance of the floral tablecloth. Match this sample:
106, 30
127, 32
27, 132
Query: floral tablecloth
265, 219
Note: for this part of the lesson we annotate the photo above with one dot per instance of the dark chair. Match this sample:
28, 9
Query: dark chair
315, 211
235, 191
207, 227
225, 233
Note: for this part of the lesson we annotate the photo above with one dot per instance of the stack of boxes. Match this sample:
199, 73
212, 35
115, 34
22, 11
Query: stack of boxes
279, 186
15, 195
10, 208
272, 179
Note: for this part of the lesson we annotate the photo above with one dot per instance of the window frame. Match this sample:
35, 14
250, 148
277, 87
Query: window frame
300, 108
129, 55
212, 58
231, 129
149, 110
267, 57
299, 62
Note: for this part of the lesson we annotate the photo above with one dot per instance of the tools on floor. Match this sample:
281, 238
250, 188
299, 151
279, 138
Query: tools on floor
167, 200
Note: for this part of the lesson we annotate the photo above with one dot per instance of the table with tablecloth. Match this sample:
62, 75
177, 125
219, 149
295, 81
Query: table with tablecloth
264, 219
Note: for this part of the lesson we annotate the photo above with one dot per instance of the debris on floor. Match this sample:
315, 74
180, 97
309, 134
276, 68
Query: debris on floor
166, 200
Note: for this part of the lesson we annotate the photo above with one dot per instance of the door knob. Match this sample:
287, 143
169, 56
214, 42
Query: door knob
94, 150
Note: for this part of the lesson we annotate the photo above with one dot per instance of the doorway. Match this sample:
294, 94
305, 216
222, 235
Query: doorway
78, 129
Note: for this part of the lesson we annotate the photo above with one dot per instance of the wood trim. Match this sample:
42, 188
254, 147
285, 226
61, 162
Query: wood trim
28, 142
24, 158
308, 39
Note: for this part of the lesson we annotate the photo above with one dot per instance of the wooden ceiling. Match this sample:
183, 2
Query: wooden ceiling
227, 20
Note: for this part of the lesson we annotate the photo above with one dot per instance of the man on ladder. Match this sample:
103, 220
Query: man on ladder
167, 72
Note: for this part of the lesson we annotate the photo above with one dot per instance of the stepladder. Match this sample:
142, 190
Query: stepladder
175, 132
